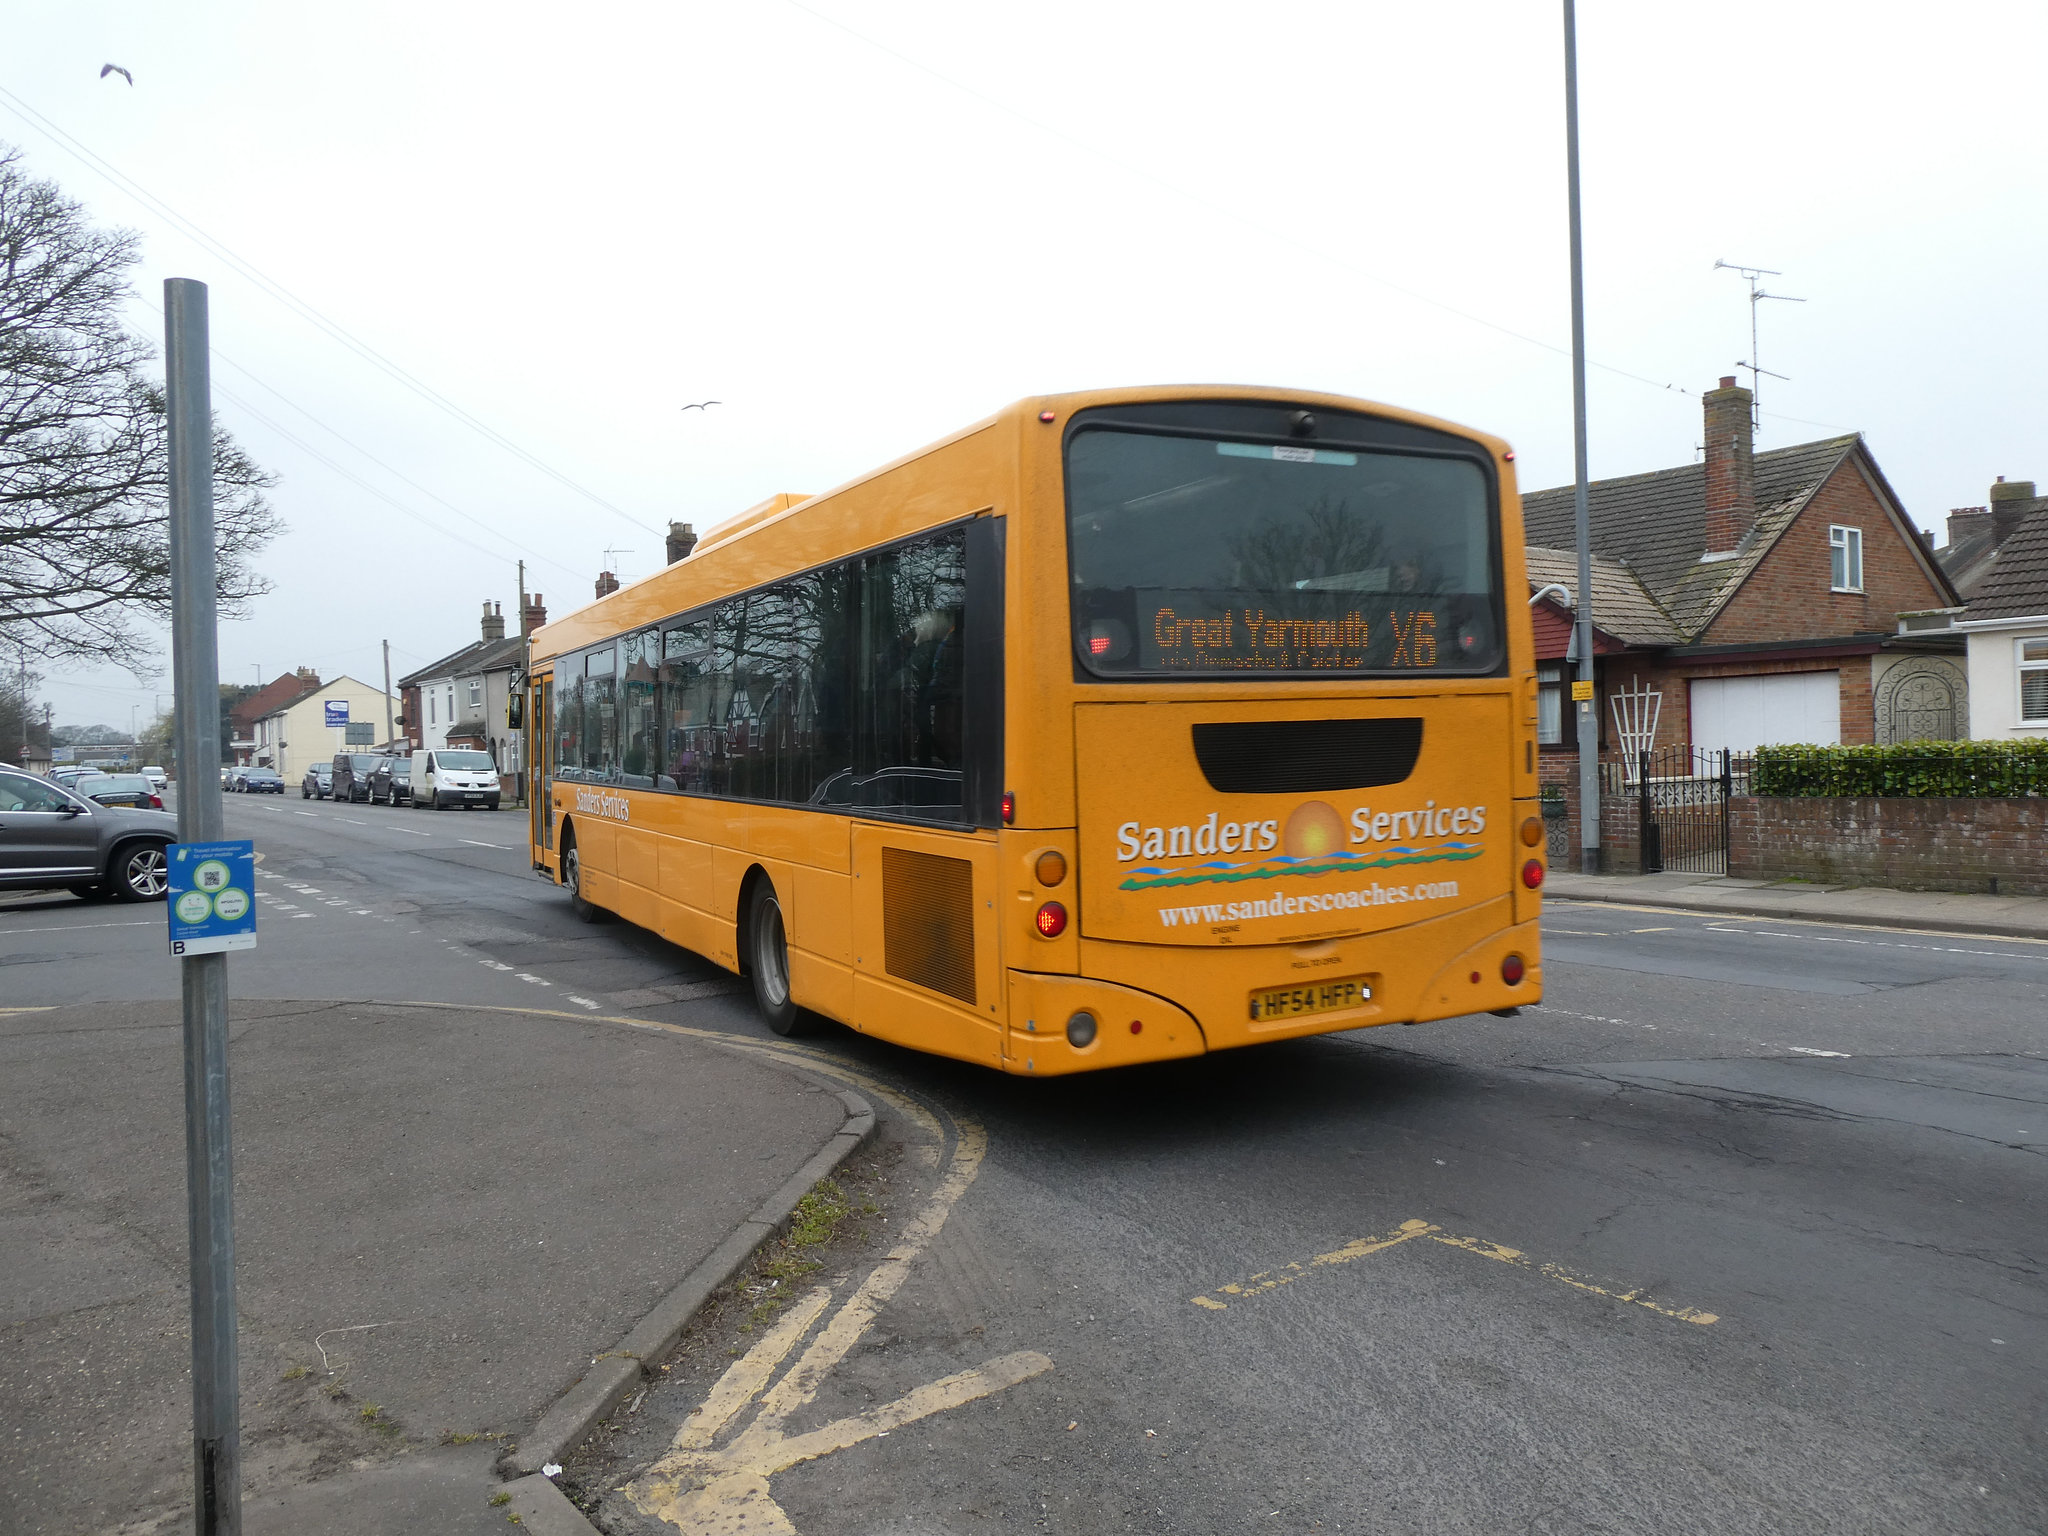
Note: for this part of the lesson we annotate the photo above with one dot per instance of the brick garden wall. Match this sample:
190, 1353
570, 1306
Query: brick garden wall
1925, 845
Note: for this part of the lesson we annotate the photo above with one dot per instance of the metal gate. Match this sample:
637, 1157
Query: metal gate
1683, 795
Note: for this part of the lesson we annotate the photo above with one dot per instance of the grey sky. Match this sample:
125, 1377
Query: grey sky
572, 222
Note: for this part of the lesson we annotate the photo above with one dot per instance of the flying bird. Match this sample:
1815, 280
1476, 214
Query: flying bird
115, 69
701, 404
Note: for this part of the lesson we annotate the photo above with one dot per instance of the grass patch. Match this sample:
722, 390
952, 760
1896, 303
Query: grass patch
500, 1498
296, 1372
812, 1226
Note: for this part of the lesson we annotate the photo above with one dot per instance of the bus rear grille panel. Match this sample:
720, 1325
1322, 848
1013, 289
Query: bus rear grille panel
928, 921
1306, 757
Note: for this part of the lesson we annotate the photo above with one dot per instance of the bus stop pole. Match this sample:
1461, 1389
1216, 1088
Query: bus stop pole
209, 1164
1587, 710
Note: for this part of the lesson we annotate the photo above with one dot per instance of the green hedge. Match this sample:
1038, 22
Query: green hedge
1919, 768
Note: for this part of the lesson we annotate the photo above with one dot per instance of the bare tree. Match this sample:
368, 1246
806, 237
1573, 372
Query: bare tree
84, 463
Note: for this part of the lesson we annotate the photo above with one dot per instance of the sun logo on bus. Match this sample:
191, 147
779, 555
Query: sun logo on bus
1314, 831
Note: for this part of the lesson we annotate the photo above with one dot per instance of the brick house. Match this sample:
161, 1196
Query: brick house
280, 693
1750, 598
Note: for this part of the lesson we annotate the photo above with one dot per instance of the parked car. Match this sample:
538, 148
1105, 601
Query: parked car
130, 789
227, 775
52, 839
318, 783
391, 782
158, 779
450, 776
260, 781
352, 772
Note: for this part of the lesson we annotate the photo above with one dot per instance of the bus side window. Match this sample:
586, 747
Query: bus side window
600, 713
569, 717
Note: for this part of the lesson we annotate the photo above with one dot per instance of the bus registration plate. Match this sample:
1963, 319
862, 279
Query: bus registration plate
1324, 997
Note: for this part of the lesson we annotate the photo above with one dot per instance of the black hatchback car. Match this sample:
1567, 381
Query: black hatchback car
391, 782
352, 772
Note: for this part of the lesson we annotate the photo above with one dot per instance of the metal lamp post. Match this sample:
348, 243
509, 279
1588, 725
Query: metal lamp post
1583, 701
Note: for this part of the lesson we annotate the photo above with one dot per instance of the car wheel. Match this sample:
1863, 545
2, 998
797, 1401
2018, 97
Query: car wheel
572, 877
141, 873
768, 961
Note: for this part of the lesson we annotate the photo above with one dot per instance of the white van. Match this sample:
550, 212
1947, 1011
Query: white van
451, 776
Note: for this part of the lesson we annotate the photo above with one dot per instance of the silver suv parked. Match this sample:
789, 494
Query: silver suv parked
52, 839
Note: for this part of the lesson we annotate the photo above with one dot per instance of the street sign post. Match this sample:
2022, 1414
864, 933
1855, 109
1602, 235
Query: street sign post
209, 1148
334, 711
212, 897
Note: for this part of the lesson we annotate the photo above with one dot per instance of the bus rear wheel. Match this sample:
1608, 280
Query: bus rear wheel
768, 962
572, 877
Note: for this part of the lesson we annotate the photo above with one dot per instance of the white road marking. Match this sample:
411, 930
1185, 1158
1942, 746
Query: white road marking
524, 976
353, 822
1808, 1050
75, 927
586, 1002
1929, 949
502, 847
302, 813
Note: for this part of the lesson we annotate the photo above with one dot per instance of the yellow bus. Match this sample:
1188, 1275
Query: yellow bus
1120, 726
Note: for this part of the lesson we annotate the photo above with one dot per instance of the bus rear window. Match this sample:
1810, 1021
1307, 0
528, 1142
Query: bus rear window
1194, 556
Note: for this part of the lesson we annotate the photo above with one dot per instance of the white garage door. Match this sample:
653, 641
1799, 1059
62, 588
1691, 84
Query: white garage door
1743, 713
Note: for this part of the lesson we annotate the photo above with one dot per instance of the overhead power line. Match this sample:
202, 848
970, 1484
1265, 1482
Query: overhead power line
305, 311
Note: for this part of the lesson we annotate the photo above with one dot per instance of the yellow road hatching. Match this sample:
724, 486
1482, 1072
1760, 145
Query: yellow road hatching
713, 1489
1257, 1285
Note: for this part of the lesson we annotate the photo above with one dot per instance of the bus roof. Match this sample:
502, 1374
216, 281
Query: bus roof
593, 621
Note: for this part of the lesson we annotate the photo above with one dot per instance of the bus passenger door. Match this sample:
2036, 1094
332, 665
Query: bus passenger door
542, 732
927, 964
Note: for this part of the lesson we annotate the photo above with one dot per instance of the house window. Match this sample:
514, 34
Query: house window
476, 693
430, 709
2033, 660
1845, 558
1550, 704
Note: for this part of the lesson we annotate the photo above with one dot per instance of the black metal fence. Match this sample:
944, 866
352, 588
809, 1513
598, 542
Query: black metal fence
1682, 796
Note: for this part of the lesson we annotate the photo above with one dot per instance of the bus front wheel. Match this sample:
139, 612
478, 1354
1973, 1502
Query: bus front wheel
768, 961
572, 877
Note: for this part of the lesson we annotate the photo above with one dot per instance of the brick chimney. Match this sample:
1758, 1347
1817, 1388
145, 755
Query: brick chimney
1967, 522
494, 622
2011, 501
682, 538
1731, 467
607, 583
536, 612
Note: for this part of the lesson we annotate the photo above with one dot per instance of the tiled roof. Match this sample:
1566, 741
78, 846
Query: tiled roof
1656, 524
1621, 605
2017, 587
268, 699
477, 656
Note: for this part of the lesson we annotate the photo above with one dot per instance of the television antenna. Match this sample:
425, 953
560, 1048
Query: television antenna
1756, 371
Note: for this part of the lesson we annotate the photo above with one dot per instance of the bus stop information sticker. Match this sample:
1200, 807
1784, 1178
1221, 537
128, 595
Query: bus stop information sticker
211, 897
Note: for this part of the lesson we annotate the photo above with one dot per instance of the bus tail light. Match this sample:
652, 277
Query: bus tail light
1009, 806
1532, 873
1532, 830
1051, 867
1051, 920
1512, 970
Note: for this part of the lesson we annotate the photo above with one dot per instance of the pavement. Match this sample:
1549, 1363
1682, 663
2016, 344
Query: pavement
1872, 906
443, 1214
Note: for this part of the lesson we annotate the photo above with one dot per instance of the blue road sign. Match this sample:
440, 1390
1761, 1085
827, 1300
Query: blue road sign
212, 897
336, 711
